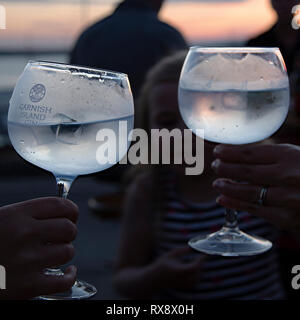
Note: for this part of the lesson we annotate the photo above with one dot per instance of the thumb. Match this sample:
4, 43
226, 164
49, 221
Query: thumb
196, 264
179, 251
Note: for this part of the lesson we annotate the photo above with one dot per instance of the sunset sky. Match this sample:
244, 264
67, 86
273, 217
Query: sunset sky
56, 24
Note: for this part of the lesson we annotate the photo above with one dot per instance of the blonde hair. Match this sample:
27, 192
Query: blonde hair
165, 71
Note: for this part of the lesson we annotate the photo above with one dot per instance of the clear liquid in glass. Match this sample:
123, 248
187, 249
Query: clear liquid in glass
68, 149
235, 117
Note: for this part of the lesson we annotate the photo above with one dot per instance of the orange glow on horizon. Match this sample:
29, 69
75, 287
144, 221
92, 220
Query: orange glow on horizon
45, 25
233, 21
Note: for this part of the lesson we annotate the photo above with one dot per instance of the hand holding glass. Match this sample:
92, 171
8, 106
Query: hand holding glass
238, 96
55, 114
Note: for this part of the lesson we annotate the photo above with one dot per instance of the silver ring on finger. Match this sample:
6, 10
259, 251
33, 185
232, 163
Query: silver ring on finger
262, 196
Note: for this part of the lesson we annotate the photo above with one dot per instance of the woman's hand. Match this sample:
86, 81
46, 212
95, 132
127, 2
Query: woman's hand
275, 167
35, 235
174, 272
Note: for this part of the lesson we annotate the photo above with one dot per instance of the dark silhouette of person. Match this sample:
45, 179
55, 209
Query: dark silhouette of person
281, 34
284, 36
131, 40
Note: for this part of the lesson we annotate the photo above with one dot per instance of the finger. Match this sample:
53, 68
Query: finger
252, 154
195, 265
49, 284
51, 255
53, 207
189, 268
27, 285
46, 208
57, 230
257, 174
275, 196
180, 251
241, 191
279, 217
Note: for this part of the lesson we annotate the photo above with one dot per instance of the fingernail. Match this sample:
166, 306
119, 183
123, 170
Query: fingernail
215, 164
218, 184
217, 150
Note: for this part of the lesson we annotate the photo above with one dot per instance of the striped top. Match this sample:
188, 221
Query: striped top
253, 277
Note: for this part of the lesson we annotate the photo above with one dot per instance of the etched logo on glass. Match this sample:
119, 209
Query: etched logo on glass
2, 278
37, 93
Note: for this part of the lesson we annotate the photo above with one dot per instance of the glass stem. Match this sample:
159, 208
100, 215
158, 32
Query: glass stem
64, 185
231, 221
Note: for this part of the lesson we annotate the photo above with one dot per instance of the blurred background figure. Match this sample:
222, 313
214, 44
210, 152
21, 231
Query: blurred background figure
281, 34
285, 37
131, 40
165, 208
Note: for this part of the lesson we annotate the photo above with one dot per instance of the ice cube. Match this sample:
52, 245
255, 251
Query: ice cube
63, 118
230, 72
69, 133
117, 85
234, 56
68, 130
235, 100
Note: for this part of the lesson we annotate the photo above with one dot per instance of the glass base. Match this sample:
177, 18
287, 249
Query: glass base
80, 290
230, 243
